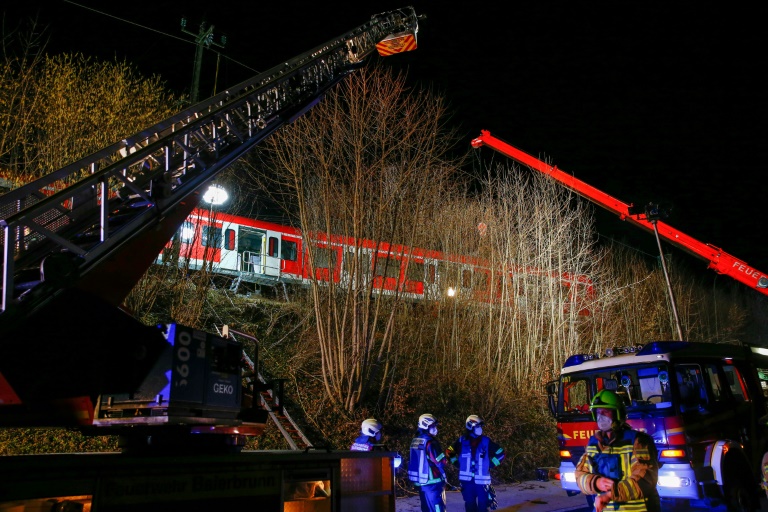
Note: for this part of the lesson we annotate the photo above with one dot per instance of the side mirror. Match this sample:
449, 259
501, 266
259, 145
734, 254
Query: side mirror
552, 387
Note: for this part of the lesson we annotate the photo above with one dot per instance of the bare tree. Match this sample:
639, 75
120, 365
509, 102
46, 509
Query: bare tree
370, 162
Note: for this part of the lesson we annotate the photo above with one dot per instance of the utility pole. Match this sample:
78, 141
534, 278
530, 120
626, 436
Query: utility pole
204, 38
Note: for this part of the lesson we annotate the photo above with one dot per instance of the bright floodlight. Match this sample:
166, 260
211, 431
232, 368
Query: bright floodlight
215, 195
451, 291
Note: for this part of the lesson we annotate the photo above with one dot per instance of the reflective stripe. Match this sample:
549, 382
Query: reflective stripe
481, 472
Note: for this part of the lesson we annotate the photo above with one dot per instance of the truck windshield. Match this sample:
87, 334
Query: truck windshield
642, 387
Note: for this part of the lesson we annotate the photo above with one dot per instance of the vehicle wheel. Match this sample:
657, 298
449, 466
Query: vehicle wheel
739, 496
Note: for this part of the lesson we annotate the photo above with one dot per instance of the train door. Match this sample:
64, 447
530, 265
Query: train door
289, 256
432, 288
250, 246
271, 251
229, 254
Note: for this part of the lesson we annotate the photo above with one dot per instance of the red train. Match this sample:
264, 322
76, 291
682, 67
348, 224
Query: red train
267, 254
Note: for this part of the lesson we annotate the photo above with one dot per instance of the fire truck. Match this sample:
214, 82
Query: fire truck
76, 241
705, 405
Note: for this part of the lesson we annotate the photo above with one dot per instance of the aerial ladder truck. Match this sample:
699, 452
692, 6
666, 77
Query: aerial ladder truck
647, 219
76, 241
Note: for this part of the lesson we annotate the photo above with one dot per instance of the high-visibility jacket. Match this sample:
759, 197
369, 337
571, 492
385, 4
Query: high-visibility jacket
362, 444
426, 462
476, 463
630, 460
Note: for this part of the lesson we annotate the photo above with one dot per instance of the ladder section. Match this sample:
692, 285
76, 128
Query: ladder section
271, 398
64, 225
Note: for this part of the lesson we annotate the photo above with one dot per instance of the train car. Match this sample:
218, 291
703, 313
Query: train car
265, 255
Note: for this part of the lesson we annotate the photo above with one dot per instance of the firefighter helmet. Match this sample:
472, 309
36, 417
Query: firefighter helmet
473, 420
426, 421
371, 427
607, 399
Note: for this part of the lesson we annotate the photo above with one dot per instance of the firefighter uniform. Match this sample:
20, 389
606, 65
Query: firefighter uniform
426, 467
363, 444
623, 455
370, 436
475, 454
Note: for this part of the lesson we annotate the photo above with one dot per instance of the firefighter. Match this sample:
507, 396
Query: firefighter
475, 454
620, 464
426, 467
370, 436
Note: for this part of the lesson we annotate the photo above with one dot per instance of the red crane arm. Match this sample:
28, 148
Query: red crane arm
719, 260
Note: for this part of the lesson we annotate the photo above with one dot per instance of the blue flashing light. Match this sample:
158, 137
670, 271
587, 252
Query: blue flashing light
577, 359
662, 347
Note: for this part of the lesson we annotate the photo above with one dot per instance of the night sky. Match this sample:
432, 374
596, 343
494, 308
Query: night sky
647, 102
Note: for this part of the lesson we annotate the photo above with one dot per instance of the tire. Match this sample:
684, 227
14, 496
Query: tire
740, 490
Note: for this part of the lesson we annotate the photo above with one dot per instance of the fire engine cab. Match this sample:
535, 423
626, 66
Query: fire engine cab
703, 404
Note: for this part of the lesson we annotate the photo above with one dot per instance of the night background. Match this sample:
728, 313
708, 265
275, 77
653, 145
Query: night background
645, 101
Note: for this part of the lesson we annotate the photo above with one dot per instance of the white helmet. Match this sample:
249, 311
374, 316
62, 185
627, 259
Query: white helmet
426, 421
473, 420
371, 427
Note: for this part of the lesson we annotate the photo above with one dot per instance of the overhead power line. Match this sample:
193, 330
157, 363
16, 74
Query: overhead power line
144, 27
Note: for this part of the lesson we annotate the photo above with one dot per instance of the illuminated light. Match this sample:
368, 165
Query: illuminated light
451, 292
568, 477
673, 481
215, 195
397, 460
609, 352
577, 359
725, 449
565, 454
760, 350
672, 453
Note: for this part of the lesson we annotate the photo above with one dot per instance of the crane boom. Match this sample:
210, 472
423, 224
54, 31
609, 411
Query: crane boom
719, 260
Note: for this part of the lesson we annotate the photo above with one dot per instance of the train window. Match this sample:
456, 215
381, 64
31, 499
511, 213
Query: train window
387, 267
272, 247
466, 278
211, 236
480, 280
289, 250
324, 258
229, 240
431, 273
187, 232
415, 271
